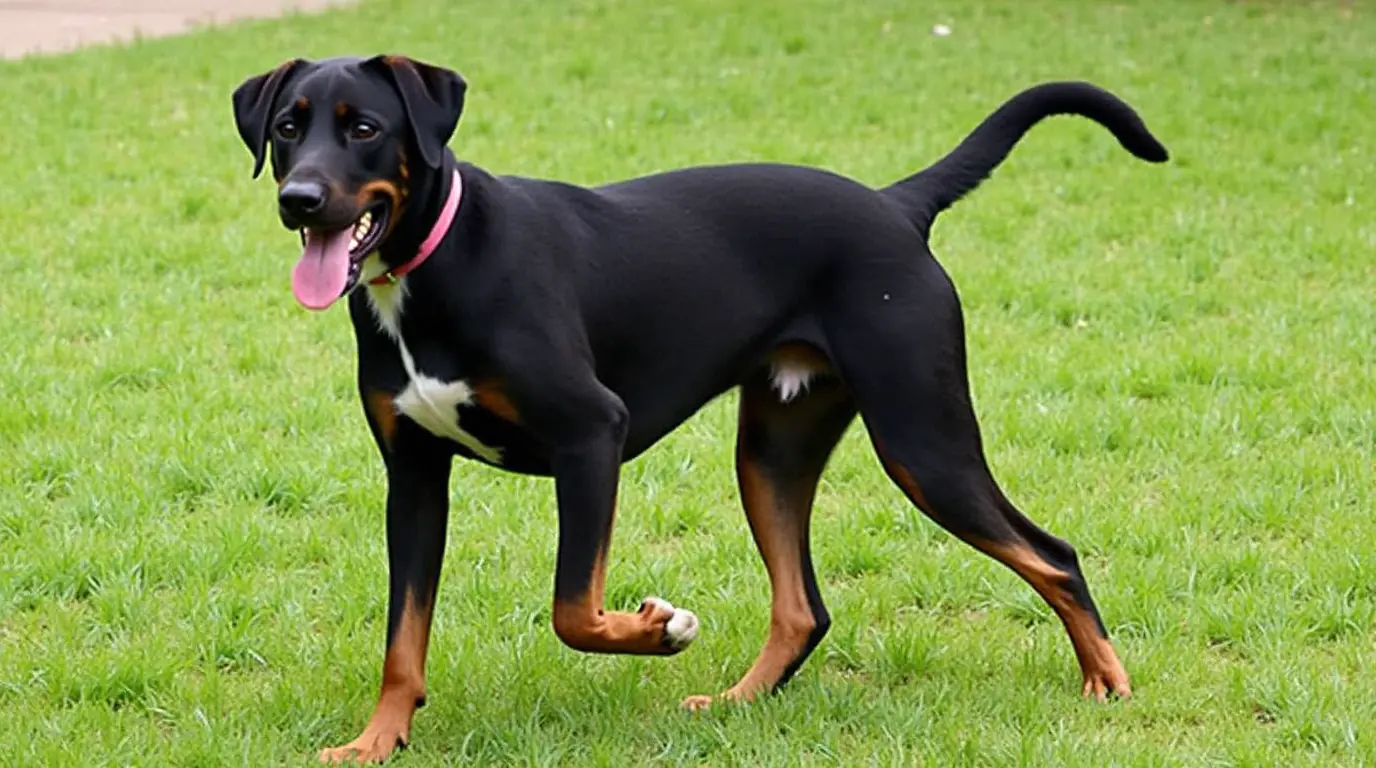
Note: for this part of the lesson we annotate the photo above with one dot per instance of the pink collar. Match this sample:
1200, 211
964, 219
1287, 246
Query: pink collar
432, 241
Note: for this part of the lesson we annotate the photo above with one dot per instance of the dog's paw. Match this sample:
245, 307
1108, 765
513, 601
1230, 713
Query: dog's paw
696, 703
680, 625
1104, 675
388, 730
374, 746
1104, 686
700, 703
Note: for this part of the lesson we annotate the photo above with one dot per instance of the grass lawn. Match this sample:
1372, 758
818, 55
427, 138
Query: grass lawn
1173, 366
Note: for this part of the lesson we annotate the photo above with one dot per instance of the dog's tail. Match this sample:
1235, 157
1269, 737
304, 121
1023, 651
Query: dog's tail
930, 191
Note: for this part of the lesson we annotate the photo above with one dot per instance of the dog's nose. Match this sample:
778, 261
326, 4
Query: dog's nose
301, 198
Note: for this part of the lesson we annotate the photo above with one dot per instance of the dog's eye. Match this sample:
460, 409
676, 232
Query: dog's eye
362, 130
287, 130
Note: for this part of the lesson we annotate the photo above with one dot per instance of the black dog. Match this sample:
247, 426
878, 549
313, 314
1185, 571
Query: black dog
549, 329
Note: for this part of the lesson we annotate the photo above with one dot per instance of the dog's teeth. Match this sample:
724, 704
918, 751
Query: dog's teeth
362, 227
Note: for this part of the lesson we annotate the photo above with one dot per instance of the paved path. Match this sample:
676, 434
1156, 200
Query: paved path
50, 26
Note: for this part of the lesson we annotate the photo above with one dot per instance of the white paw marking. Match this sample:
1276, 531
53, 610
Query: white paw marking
431, 403
681, 629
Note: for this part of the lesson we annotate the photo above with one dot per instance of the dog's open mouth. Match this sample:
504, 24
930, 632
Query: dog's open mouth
332, 260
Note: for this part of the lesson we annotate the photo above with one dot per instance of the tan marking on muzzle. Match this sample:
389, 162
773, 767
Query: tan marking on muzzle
386, 188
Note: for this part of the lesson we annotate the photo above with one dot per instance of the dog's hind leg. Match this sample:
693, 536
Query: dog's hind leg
781, 450
903, 358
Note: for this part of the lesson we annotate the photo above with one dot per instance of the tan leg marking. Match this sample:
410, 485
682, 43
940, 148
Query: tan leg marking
905, 480
657, 628
490, 396
403, 690
384, 414
779, 530
1099, 663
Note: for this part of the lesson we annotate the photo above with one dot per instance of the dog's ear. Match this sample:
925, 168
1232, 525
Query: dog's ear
253, 101
433, 98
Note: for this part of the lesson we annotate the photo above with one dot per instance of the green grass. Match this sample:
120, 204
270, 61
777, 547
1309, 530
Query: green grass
1173, 366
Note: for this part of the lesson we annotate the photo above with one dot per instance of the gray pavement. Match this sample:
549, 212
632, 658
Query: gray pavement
52, 26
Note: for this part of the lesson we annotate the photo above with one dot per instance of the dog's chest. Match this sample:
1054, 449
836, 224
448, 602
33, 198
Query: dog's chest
435, 398
436, 406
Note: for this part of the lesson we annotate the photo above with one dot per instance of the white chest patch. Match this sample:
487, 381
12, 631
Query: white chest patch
429, 402
385, 300
434, 405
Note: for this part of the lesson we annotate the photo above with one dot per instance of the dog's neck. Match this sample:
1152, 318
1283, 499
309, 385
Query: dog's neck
444, 220
428, 192
428, 195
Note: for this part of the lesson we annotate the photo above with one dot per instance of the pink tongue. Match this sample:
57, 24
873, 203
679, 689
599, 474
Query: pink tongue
323, 271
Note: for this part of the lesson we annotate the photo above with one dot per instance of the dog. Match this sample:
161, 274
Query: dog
550, 329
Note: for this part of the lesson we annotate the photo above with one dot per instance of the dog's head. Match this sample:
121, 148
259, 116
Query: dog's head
350, 139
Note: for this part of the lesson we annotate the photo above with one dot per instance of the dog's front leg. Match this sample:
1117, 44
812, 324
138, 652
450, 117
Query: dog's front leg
417, 512
586, 470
